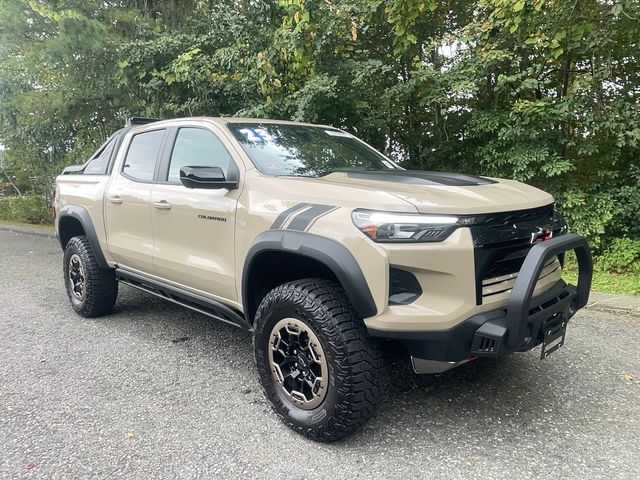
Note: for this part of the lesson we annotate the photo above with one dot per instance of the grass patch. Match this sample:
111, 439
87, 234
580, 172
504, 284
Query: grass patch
603, 281
45, 227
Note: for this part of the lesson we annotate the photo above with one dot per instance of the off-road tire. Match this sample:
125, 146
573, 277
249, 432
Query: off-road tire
100, 284
356, 364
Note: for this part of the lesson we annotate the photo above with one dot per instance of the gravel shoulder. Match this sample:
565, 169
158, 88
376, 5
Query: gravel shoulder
155, 391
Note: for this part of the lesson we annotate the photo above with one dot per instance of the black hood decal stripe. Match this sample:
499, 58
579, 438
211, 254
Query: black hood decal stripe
420, 177
301, 221
290, 219
279, 221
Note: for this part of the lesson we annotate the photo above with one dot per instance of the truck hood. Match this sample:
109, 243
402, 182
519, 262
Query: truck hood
439, 192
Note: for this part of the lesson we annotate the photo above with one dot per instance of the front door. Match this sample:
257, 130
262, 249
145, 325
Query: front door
127, 203
194, 228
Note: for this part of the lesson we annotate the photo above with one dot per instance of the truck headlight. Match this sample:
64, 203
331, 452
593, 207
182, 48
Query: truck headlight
405, 227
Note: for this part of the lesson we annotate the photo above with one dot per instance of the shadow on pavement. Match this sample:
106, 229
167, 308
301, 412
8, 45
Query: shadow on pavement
463, 401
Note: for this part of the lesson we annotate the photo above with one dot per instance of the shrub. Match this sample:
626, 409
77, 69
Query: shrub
26, 209
622, 256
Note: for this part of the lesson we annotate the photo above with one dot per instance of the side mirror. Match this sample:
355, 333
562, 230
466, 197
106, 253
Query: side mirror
206, 177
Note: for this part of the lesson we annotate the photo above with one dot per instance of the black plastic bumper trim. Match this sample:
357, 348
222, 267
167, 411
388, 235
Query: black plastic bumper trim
519, 303
518, 327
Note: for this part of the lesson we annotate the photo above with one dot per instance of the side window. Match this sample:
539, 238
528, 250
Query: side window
195, 147
99, 163
140, 162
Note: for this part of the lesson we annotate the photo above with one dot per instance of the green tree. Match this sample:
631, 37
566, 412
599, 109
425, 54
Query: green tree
555, 104
542, 91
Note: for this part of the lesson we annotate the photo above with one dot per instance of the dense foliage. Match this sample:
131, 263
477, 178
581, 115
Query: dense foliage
544, 91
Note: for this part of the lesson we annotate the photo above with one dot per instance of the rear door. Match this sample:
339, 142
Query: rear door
127, 202
193, 229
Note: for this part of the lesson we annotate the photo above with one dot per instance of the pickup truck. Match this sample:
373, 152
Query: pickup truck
327, 251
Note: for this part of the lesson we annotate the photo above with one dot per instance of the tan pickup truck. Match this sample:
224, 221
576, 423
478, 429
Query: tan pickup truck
326, 250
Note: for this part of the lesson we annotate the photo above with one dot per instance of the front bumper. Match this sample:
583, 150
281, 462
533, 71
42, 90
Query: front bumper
520, 326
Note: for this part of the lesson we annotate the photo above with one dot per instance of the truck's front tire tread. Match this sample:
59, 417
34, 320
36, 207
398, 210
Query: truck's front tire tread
357, 361
101, 284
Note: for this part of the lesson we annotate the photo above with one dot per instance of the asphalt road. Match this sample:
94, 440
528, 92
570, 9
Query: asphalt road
155, 391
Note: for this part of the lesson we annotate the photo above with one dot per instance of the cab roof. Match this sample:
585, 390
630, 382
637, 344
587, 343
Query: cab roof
135, 121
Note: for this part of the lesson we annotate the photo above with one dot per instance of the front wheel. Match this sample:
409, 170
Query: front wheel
322, 373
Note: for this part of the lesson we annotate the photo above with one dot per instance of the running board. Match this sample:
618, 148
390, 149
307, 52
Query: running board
184, 298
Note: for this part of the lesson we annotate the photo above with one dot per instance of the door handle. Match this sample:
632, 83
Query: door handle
116, 200
162, 205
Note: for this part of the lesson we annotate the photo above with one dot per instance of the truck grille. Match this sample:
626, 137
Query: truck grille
504, 283
501, 243
509, 218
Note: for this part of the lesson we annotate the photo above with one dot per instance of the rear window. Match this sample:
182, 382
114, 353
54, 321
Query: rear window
140, 162
99, 164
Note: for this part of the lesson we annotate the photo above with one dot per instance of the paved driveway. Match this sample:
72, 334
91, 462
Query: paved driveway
155, 391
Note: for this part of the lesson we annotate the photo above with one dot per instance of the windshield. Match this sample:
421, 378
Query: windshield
301, 150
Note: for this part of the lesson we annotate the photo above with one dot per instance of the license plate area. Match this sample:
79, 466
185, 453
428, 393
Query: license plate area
554, 330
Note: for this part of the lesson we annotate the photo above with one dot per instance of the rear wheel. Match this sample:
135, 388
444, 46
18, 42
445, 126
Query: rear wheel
92, 290
320, 370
